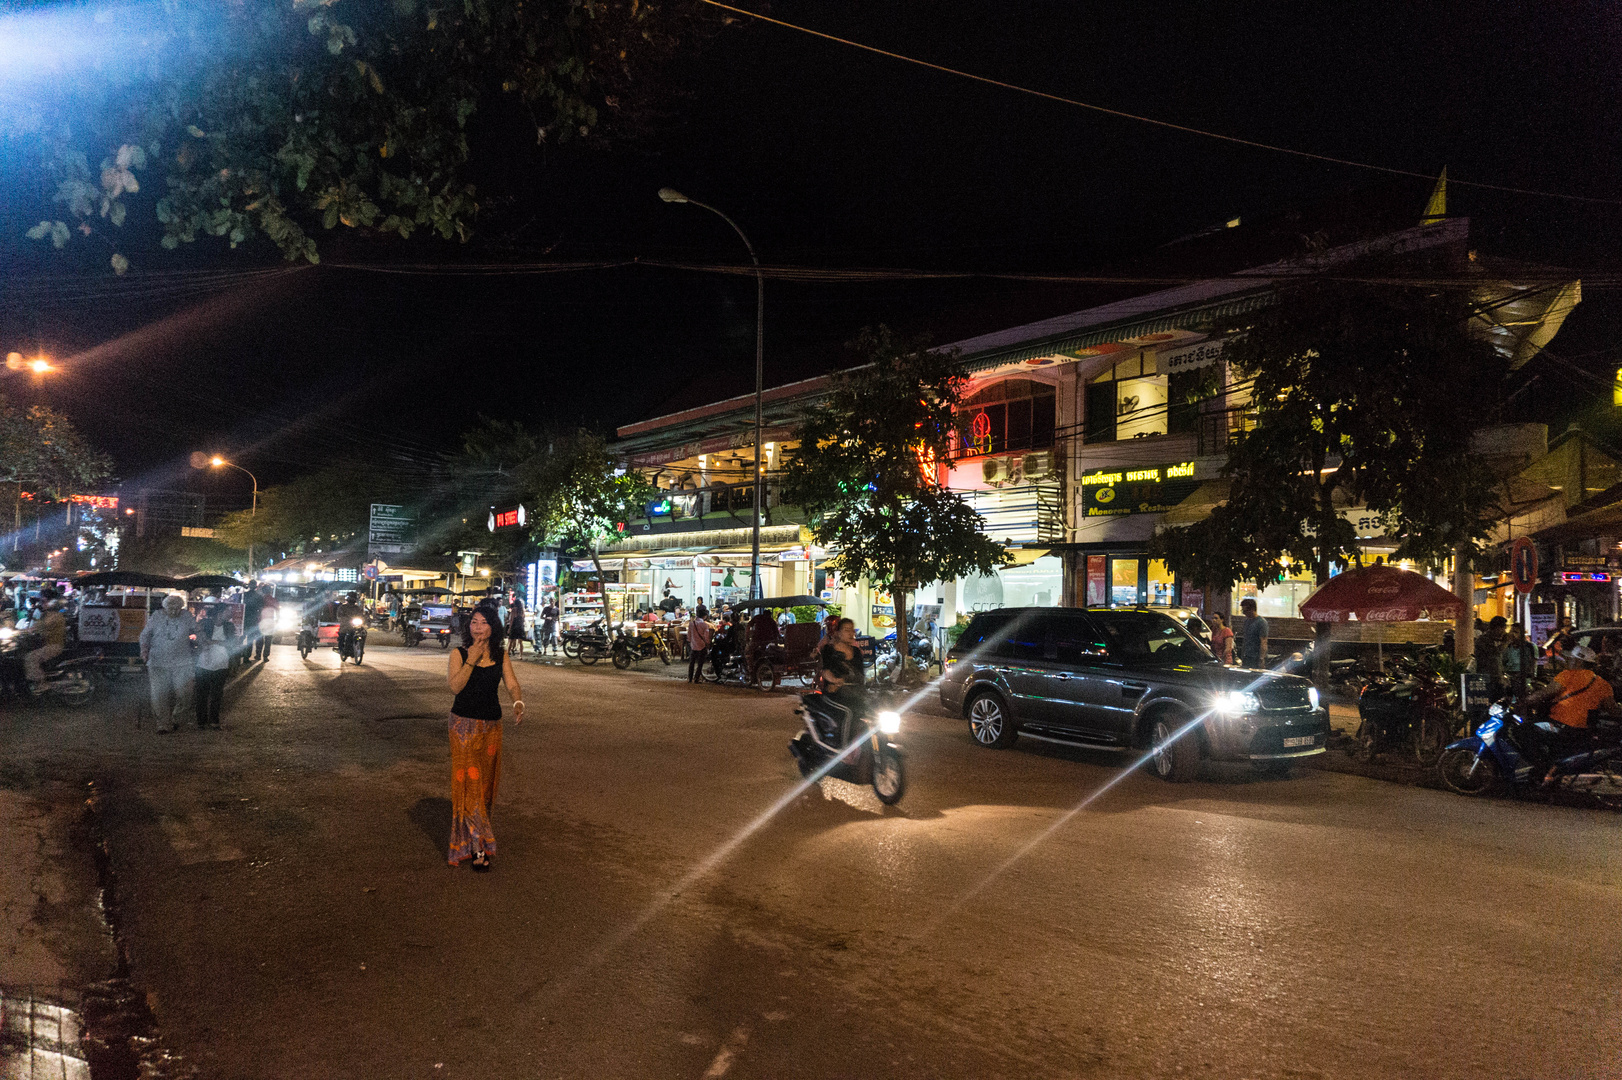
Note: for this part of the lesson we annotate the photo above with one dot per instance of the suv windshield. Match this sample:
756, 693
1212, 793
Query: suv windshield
1147, 637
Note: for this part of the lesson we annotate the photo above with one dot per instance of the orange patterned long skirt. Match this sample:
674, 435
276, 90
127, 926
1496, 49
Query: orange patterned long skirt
475, 772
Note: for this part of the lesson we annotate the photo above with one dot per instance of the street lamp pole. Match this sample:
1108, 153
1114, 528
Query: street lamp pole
671, 195
253, 515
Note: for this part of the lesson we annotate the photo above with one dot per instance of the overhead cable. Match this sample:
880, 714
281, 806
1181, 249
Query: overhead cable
1184, 128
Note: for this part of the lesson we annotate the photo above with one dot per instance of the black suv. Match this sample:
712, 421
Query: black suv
1125, 678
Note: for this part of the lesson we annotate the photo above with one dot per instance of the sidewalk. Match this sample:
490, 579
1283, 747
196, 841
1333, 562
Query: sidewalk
56, 942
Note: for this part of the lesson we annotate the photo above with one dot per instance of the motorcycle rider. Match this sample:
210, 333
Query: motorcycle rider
348, 612
843, 677
52, 626
1575, 691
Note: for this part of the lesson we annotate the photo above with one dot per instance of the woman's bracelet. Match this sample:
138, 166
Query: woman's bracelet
518, 704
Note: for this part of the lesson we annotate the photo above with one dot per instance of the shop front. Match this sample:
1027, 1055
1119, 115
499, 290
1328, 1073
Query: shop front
1117, 508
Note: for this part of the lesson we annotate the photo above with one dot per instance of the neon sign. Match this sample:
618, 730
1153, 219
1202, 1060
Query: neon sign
506, 519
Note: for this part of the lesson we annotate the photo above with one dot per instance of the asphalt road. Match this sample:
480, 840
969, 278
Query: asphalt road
289, 908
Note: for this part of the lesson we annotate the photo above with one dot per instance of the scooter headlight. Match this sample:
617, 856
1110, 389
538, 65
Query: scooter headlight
357, 621
890, 722
7, 633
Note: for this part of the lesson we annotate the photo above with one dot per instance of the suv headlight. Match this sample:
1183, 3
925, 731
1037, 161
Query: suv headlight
1312, 696
1237, 701
889, 722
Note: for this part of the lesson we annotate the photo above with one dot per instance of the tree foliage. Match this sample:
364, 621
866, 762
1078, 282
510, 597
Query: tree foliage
282, 118
40, 448
578, 496
867, 472
1364, 395
321, 510
179, 556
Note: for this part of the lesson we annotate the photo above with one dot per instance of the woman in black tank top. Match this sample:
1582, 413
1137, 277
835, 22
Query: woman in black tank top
476, 675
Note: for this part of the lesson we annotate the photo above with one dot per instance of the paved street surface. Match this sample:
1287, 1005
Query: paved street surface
290, 913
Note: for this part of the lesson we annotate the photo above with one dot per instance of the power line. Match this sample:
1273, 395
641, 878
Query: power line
1121, 114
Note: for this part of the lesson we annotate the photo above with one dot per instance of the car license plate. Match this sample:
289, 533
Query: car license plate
1299, 740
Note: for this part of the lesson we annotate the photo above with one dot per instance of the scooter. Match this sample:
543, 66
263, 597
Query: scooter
629, 648
410, 631
67, 679
1509, 749
306, 638
352, 640
1408, 710
871, 756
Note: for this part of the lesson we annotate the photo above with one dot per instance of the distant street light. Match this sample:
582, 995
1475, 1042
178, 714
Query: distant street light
39, 365
216, 461
671, 195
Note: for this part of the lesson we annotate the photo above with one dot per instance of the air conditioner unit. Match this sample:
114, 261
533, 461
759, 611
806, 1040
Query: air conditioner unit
1038, 465
994, 470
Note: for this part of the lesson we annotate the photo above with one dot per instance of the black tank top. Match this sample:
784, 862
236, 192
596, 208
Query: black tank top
478, 700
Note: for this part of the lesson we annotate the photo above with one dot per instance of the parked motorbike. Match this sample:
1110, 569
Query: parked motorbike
352, 640
1510, 749
628, 648
1411, 709
887, 662
587, 645
862, 751
67, 679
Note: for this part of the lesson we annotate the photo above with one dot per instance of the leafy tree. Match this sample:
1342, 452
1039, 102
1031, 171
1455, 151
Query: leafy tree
277, 119
1363, 395
41, 451
578, 496
867, 477
320, 510
179, 556
41, 447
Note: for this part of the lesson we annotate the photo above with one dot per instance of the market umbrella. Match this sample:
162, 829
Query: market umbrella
1379, 594
209, 581
127, 578
781, 602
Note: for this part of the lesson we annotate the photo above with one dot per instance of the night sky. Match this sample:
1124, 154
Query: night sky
832, 158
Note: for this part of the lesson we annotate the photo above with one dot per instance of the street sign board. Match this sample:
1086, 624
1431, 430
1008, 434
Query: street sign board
389, 532
1473, 695
1523, 564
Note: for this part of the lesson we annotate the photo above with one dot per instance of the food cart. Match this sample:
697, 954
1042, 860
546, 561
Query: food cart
580, 609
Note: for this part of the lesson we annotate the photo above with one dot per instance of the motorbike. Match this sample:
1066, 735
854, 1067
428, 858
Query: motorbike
1409, 709
628, 648
306, 639
411, 631
1510, 749
352, 640
887, 661
860, 752
588, 645
67, 679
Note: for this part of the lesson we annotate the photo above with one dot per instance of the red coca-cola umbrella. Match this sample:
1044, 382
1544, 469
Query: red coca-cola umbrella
1380, 594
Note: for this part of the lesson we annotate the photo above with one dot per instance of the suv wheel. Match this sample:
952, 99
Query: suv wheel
989, 721
1174, 760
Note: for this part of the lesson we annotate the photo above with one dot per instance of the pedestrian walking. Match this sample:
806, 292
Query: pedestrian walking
213, 657
1221, 638
1253, 645
166, 648
269, 609
515, 624
477, 671
549, 628
699, 634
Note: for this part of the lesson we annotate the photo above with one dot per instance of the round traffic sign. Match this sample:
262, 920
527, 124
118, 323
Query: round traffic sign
1523, 564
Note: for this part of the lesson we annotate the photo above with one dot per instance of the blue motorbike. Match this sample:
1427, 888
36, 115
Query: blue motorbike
1512, 750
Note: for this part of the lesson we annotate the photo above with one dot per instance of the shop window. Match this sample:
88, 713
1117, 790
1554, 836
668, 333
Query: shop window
1015, 414
1123, 582
1162, 584
1133, 399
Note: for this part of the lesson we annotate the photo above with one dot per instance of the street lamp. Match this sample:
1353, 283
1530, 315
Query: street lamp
671, 195
39, 365
216, 461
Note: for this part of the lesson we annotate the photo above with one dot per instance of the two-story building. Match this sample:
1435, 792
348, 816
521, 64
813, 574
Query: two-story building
1079, 436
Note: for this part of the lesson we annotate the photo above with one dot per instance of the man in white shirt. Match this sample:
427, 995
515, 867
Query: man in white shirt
166, 647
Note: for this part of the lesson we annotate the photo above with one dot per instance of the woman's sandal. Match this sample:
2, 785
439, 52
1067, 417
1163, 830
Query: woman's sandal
481, 863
